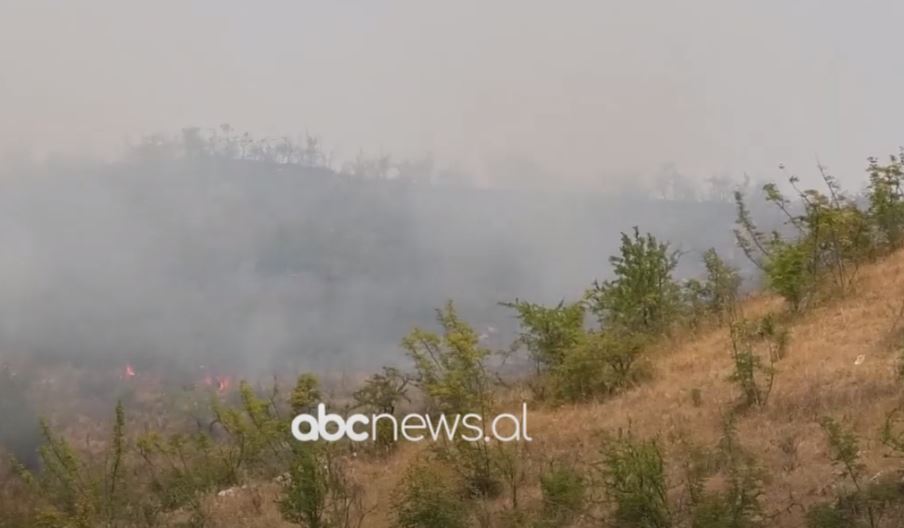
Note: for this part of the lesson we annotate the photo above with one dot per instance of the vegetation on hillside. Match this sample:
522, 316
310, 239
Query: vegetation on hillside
585, 353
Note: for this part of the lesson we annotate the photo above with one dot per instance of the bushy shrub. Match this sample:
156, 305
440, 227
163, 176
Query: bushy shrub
717, 294
256, 434
603, 363
451, 371
451, 368
306, 394
381, 394
642, 297
75, 492
429, 497
789, 272
318, 493
871, 502
635, 481
564, 491
886, 201
756, 346
737, 503
181, 468
549, 333
831, 236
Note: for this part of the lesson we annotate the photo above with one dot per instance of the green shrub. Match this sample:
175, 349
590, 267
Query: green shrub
603, 363
564, 493
789, 273
549, 333
429, 497
306, 394
451, 371
831, 236
642, 297
886, 201
318, 493
75, 492
717, 294
860, 501
737, 504
635, 481
755, 349
180, 468
381, 394
451, 368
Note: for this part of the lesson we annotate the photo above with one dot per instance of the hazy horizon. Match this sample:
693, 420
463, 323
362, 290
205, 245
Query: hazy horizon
514, 91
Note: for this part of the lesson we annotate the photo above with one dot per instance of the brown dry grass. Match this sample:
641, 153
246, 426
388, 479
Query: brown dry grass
817, 377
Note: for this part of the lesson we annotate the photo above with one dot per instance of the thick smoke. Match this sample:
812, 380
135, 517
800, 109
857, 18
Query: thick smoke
200, 257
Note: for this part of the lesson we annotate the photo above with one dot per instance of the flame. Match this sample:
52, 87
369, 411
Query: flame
128, 372
223, 384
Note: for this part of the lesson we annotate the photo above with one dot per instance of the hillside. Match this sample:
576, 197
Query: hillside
654, 402
821, 375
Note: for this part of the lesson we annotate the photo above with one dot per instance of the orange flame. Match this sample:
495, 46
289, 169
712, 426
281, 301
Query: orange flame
128, 372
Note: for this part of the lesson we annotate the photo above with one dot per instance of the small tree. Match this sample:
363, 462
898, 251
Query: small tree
452, 373
451, 368
306, 394
548, 333
831, 237
718, 293
381, 394
318, 493
642, 297
886, 200
755, 349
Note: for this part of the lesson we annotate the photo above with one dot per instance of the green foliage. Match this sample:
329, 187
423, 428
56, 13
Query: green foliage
564, 491
245, 440
381, 394
643, 297
180, 468
451, 371
256, 431
306, 394
318, 493
74, 492
603, 363
886, 201
831, 237
635, 481
451, 368
756, 346
549, 333
428, 498
737, 505
717, 294
873, 502
789, 273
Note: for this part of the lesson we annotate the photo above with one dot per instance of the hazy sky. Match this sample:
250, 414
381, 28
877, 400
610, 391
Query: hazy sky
577, 88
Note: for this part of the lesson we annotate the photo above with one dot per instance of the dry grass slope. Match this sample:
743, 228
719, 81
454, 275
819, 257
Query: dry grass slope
820, 375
